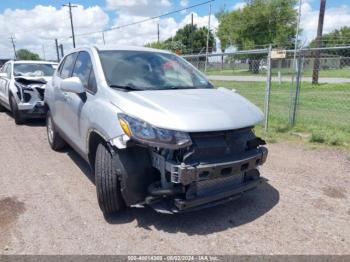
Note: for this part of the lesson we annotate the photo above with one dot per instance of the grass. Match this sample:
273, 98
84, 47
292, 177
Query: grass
323, 115
343, 73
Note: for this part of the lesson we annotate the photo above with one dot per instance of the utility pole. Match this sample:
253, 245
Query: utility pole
318, 42
191, 37
208, 35
158, 32
61, 47
14, 46
103, 37
43, 50
70, 6
57, 52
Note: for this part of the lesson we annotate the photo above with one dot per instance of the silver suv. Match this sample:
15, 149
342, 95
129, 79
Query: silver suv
153, 129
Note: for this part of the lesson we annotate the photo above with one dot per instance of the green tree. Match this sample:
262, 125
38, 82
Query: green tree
194, 39
338, 37
259, 23
187, 40
173, 46
24, 54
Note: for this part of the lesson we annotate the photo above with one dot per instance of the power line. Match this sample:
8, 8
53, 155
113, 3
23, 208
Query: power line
147, 19
70, 6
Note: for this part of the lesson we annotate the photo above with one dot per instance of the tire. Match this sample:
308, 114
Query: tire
55, 140
19, 120
107, 182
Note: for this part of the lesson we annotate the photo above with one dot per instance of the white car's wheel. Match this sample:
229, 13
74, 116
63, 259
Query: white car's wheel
55, 140
19, 120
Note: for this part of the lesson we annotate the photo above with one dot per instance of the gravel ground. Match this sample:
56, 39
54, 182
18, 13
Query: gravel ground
48, 206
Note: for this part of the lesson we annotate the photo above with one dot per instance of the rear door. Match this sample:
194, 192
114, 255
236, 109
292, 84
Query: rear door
61, 99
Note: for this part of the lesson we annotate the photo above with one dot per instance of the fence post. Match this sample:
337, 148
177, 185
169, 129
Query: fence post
267, 91
297, 90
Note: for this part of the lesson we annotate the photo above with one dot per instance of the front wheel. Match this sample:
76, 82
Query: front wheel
55, 140
107, 183
19, 120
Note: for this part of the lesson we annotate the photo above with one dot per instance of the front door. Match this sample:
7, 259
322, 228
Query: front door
77, 104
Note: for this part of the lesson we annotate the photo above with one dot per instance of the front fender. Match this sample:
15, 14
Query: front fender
102, 118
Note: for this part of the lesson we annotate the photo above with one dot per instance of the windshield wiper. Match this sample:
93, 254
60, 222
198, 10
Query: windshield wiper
126, 87
179, 87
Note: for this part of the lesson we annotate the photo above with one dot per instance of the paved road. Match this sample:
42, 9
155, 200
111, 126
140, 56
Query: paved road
332, 80
48, 206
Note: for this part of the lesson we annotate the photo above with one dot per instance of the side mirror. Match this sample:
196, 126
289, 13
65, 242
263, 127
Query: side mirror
72, 85
3, 75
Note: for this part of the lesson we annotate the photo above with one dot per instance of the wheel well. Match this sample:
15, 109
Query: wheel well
94, 140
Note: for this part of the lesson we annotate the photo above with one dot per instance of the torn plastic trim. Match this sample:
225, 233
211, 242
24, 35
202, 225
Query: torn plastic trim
120, 141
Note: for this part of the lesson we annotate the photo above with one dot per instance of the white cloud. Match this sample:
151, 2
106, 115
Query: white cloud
184, 3
39, 26
139, 7
144, 33
335, 17
239, 5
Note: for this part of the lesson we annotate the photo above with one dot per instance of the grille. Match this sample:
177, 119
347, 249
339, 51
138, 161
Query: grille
214, 145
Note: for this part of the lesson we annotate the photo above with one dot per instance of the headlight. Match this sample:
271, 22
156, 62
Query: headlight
153, 136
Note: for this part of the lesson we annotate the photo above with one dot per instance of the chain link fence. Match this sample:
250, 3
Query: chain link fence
286, 88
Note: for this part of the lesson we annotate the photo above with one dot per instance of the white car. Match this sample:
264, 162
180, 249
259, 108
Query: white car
153, 129
22, 87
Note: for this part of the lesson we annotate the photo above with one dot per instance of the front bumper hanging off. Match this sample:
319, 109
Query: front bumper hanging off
208, 184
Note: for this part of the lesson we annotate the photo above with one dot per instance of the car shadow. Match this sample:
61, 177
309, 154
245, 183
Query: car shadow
81, 163
30, 122
246, 209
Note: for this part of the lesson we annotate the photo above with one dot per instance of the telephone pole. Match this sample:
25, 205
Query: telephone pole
207, 47
61, 48
57, 52
158, 32
103, 37
14, 46
70, 6
318, 42
191, 36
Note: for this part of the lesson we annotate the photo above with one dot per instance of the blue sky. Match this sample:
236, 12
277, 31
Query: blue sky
36, 23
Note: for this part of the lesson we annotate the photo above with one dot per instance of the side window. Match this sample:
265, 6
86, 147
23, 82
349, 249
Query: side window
83, 69
4, 67
59, 69
68, 66
92, 86
8, 70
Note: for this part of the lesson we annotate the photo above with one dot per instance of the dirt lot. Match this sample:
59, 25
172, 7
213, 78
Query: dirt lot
48, 206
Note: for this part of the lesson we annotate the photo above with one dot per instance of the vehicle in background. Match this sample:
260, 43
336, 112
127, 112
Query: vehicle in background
153, 129
22, 88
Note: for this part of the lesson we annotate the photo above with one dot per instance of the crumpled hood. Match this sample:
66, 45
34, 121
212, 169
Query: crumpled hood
26, 80
190, 110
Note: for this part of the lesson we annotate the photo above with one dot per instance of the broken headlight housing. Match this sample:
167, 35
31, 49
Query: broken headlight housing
147, 134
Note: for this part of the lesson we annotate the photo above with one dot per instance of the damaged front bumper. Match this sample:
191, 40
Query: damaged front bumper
200, 185
30, 97
35, 109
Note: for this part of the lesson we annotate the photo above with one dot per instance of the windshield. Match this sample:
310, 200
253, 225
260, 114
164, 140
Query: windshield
140, 70
33, 70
